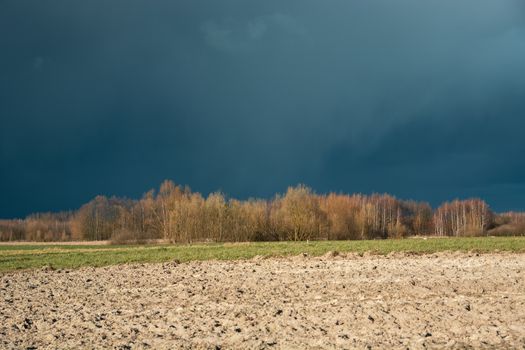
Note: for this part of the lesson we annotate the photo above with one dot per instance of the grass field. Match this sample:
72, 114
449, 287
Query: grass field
14, 257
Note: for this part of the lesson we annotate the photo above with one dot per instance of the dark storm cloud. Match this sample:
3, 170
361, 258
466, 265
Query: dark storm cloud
422, 99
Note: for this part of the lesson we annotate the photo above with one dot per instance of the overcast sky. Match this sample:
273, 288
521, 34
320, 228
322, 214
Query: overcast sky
421, 99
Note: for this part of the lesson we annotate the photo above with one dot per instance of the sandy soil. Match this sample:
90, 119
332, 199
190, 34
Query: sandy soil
446, 300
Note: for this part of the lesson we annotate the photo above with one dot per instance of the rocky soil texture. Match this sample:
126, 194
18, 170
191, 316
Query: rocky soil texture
446, 300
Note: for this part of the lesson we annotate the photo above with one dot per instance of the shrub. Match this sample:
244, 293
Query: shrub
125, 236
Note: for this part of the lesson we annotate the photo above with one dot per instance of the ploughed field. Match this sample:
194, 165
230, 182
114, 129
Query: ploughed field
346, 300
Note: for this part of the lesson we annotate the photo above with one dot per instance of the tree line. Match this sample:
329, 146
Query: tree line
174, 213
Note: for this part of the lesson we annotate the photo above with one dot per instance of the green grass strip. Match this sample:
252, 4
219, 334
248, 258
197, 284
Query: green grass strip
16, 257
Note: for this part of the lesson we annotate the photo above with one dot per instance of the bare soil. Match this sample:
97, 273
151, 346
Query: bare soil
445, 300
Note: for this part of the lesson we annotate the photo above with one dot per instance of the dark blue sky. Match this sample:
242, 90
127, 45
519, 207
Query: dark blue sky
421, 99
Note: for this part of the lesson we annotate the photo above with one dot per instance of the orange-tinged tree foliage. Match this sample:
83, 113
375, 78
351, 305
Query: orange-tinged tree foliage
463, 218
177, 214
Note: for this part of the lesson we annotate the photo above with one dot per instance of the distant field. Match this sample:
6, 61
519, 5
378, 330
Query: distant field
27, 256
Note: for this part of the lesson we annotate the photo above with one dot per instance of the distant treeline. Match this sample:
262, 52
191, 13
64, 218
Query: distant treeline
177, 214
